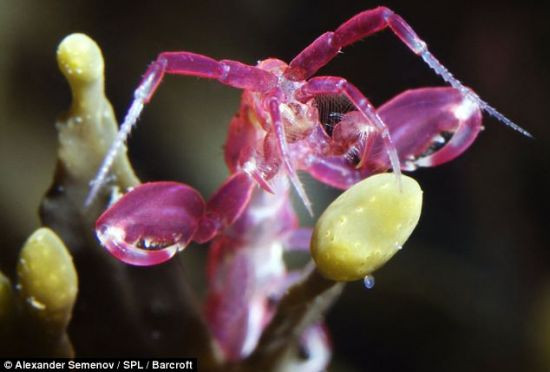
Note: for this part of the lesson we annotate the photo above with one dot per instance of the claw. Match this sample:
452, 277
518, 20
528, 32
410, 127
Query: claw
154, 221
431, 126
151, 223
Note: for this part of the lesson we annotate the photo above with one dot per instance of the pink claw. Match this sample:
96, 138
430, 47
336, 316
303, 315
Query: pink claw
430, 126
148, 225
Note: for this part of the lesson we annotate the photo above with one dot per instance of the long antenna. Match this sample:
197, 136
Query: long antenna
455, 83
140, 96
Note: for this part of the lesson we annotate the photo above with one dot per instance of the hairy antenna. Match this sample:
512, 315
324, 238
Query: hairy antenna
140, 97
455, 83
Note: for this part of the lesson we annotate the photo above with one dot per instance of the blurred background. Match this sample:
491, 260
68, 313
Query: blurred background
471, 289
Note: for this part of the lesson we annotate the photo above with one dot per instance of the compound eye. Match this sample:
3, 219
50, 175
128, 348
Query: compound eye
331, 109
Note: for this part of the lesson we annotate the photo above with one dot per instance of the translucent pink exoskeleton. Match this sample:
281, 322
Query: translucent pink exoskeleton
246, 270
281, 127
288, 121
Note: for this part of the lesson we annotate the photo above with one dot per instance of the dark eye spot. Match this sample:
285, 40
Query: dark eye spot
438, 142
303, 352
353, 158
272, 302
152, 245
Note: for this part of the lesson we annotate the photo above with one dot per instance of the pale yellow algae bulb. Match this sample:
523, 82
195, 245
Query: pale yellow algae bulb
48, 283
80, 59
365, 226
88, 128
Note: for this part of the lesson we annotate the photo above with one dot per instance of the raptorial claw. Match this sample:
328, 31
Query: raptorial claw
154, 221
149, 224
431, 126
428, 126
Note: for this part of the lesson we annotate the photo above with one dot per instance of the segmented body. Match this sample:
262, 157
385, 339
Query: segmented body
246, 271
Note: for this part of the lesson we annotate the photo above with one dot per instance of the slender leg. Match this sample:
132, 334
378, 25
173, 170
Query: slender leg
336, 85
232, 73
328, 45
279, 129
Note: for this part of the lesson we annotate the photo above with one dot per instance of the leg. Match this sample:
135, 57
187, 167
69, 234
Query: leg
232, 73
334, 171
336, 85
225, 206
279, 129
228, 72
327, 46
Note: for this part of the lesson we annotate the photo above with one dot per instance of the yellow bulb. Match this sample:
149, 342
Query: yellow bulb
365, 226
80, 59
48, 283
